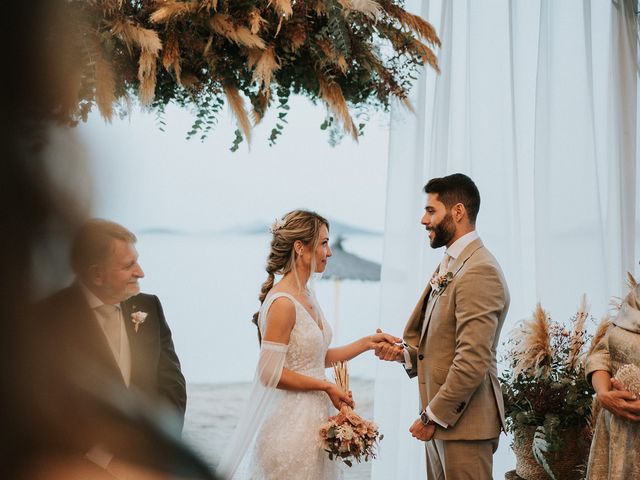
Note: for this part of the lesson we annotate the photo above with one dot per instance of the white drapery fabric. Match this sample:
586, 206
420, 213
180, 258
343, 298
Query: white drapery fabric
536, 101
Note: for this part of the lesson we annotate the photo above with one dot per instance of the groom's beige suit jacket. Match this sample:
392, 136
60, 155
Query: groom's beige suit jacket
451, 337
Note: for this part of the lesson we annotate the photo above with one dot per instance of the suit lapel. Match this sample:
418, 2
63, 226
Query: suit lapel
411, 333
455, 268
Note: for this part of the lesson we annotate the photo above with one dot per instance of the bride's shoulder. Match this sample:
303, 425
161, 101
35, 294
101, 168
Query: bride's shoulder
279, 312
280, 299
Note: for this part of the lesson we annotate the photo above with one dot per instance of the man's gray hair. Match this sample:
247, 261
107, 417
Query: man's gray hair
92, 242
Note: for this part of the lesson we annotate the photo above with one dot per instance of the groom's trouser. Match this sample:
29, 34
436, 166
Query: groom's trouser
460, 459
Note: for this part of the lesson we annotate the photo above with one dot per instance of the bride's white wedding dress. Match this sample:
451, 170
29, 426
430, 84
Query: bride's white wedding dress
286, 423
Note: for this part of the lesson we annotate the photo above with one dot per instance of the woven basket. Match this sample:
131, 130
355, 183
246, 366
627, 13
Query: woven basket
563, 463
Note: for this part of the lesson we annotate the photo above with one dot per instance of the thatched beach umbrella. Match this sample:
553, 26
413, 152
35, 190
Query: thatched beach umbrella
344, 265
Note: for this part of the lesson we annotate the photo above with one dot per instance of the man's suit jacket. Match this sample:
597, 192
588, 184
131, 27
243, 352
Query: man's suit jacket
452, 337
77, 339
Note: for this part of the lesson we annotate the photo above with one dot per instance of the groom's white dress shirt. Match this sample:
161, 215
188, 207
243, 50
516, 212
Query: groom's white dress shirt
450, 253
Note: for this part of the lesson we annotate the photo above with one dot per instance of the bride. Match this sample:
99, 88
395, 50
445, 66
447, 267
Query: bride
290, 397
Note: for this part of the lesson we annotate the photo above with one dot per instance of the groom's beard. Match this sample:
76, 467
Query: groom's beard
443, 232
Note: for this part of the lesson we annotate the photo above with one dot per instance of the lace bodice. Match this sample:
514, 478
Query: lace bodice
308, 343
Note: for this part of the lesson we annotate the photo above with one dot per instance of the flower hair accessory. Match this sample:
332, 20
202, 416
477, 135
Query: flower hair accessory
277, 225
138, 319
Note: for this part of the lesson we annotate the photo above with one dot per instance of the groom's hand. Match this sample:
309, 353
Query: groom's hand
387, 347
421, 431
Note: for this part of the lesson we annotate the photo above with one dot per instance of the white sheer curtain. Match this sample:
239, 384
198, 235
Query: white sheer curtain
536, 101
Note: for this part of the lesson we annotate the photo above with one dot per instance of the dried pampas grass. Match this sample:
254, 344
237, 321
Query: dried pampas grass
149, 44
282, 7
171, 57
425, 53
632, 298
222, 24
236, 103
173, 10
602, 330
266, 65
260, 106
577, 336
369, 8
296, 35
147, 76
135, 36
532, 350
209, 5
331, 93
412, 22
256, 21
105, 87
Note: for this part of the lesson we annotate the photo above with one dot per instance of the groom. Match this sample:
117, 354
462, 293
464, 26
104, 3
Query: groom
451, 337
109, 332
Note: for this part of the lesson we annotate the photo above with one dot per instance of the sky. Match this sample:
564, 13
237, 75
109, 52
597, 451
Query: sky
146, 178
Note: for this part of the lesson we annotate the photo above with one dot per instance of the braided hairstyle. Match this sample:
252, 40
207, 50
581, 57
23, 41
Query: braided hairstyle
300, 225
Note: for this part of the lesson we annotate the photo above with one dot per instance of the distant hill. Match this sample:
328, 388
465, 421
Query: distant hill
337, 228
256, 228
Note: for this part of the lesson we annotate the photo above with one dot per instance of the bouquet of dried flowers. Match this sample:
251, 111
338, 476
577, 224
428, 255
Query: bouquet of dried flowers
545, 385
347, 436
353, 55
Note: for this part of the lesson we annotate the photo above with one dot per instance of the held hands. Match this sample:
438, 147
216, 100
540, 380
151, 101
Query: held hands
339, 397
387, 347
620, 402
421, 431
380, 338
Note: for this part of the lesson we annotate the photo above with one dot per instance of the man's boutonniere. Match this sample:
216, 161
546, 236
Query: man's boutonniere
440, 282
138, 319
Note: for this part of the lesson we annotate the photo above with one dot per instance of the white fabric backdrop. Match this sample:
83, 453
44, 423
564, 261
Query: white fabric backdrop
536, 101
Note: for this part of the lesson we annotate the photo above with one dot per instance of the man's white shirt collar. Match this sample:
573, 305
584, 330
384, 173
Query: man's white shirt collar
93, 301
460, 244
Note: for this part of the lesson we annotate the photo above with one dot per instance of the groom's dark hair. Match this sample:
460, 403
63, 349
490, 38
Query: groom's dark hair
456, 188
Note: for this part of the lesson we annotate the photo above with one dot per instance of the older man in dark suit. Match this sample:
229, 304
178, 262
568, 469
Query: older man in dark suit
109, 331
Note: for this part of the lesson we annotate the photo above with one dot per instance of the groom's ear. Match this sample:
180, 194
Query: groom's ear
459, 212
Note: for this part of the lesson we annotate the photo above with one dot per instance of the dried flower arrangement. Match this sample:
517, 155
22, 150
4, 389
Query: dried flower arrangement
545, 385
353, 55
347, 436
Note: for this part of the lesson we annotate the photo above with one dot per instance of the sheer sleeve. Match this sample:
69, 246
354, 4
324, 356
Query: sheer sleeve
268, 373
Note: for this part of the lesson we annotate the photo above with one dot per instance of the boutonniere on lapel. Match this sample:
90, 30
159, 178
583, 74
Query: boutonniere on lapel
440, 282
138, 319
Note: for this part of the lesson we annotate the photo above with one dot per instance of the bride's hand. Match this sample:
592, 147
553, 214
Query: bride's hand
339, 397
381, 337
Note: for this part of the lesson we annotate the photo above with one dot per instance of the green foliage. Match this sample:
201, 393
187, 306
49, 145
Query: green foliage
529, 397
540, 447
236, 141
336, 29
554, 400
283, 110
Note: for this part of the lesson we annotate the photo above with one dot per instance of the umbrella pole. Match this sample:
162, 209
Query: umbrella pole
336, 309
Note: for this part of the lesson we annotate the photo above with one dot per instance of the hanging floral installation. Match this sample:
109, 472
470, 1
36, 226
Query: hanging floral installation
353, 55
